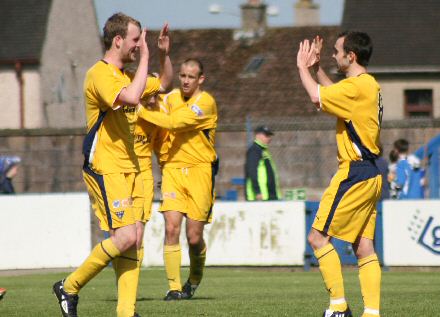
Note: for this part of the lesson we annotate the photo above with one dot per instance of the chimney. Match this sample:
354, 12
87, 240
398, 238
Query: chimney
253, 20
306, 13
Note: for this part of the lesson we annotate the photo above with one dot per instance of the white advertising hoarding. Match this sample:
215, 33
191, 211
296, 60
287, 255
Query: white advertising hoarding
411, 233
242, 233
44, 231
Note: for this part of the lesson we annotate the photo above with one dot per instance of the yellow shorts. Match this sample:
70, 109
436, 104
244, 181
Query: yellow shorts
189, 190
148, 185
348, 207
116, 198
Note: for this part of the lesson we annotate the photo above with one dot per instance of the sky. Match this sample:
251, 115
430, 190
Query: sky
194, 14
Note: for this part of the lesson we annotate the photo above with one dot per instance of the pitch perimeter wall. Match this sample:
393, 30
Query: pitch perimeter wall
55, 231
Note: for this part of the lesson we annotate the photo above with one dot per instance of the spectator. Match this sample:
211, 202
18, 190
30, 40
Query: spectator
382, 165
260, 170
410, 176
393, 158
8, 170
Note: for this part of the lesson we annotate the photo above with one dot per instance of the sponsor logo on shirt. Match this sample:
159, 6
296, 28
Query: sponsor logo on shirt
171, 195
127, 202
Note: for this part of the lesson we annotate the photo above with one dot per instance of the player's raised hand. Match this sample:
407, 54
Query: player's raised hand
318, 46
163, 42
143, 47
306, 56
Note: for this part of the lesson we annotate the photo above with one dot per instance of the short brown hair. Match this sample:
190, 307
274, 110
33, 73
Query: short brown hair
196, 61
359, 43
117, 24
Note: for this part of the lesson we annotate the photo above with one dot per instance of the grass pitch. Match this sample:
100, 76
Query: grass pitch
226, 292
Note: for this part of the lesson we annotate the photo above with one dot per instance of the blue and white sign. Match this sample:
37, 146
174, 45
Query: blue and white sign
411, 232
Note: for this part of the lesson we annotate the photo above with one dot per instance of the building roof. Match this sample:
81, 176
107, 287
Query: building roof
402, 33
23, 29
271, 86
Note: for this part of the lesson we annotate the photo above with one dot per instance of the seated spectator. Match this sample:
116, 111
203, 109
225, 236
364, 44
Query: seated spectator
8, 170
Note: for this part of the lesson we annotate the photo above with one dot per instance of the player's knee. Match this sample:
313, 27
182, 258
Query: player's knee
172, 231
317, 240
363, 248
311, 241
195, 240
130, 241
127, 240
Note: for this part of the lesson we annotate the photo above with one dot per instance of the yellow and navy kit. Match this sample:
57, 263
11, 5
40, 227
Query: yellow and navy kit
109, 144
348, 207
111, 167
356, 102
187, 153
146, 135
191, 124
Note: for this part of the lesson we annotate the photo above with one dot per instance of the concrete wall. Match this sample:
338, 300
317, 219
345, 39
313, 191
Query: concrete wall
44, 231
242, 233
71, 47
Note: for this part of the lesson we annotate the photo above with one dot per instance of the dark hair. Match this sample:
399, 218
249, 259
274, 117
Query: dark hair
117, 24
360, 44
393, 156
196, 61
401, 145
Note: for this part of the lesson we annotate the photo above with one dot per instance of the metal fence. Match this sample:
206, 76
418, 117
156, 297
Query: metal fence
304, 150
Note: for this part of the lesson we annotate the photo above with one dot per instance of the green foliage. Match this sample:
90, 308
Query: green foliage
227, 292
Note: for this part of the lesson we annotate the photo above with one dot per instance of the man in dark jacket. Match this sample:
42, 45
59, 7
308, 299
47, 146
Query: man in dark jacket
8, 169
260, 170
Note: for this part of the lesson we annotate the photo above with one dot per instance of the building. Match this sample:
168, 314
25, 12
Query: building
47, 46
406, 58
251, 72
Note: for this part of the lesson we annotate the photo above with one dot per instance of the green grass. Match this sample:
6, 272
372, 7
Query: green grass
227, 292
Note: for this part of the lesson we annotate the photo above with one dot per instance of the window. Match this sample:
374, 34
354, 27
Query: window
418, 103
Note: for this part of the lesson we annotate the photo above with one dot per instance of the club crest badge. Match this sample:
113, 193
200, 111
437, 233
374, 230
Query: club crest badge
197, 110
120, 214
116, 204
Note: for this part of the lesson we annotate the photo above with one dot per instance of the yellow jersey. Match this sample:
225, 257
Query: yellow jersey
149, 137
357, 104
191, 124
109, 144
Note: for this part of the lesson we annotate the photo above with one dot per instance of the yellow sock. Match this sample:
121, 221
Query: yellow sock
369, 277
331, 271
140, 256
172, 258
127, 275
98, 259
197, 264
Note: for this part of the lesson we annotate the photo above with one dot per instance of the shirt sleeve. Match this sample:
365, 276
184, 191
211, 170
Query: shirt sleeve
337, 99
108, 86
195, 116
